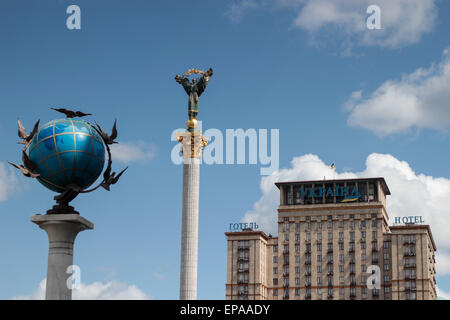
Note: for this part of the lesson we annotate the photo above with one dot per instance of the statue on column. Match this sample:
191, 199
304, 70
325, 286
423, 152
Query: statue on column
194, 88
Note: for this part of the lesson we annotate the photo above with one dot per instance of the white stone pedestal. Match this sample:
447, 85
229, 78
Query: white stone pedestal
62, 230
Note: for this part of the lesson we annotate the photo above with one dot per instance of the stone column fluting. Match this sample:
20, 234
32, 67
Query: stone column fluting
62, 230
191, 146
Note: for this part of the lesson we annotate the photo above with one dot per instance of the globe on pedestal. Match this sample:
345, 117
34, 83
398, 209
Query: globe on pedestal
65, 152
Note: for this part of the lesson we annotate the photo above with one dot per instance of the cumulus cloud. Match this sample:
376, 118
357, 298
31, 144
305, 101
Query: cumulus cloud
442, 294
128, 152
113, 290
403, 22
420, 99
238, 9
412, 194
8, 181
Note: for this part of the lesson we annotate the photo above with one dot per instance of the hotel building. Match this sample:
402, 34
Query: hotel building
334, 242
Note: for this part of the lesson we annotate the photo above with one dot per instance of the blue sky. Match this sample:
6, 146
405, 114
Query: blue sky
315, 73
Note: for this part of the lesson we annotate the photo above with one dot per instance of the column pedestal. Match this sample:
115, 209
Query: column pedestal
62, 230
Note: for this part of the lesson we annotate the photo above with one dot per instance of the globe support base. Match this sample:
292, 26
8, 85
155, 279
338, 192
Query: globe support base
62, 230
62, 209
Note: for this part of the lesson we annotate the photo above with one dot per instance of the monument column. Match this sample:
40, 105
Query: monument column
62, 229
192, 143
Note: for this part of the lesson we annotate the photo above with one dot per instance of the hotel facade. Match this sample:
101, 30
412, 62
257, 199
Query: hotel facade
334, 242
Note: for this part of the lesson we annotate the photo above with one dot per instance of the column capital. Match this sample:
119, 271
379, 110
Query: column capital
192, 144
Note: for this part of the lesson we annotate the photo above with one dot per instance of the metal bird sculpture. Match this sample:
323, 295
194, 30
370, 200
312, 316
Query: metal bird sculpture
72, 114
25, 171
22, 132
112, 179
28, 168
109, 139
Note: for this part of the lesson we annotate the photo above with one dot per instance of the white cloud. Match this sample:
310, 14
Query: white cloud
238, 9
442, 294
420, 99
8, 182
403, 22
128, 152
412, 194
113, 290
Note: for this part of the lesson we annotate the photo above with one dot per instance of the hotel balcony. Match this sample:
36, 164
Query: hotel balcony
243, 259
409, 265
409, 254
240, 248
410, 277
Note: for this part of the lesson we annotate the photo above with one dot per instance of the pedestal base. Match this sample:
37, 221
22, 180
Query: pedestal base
62, 230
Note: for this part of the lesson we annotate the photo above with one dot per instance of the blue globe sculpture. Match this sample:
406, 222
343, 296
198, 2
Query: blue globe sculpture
65, 152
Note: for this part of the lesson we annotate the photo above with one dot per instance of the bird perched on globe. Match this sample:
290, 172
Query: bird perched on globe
67, 156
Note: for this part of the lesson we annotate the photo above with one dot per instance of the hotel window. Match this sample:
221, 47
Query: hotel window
364, 290
341, 236
342, 291
275, 281
297, 292
330, 291
352, 216
363, 268
374, 223
341, 246
363, 245
297, 259
286, 270
352, 267
275, 259
330, 224
386, 267
352, 246
386, 244
308, 237
387, 290
319, 291
372, 192
363, 279
352, 292
341, 258
341, 279
275, 292
374, 245
386, 256
286, 219
275, 270
308, 225
319, 247
363, 223
352, 235
286, 237
297, 248
308, 247
363, 234
308, 269
297, 281
330, 235
352, 224
297, 237
319, 236
297, 269
297, 226
319, 224
363, 257
319, 258
341, 268
374, 234
341, 223
330, 246
386, 278
319, 269
285, 227
319, 280
275, 248
308, 280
